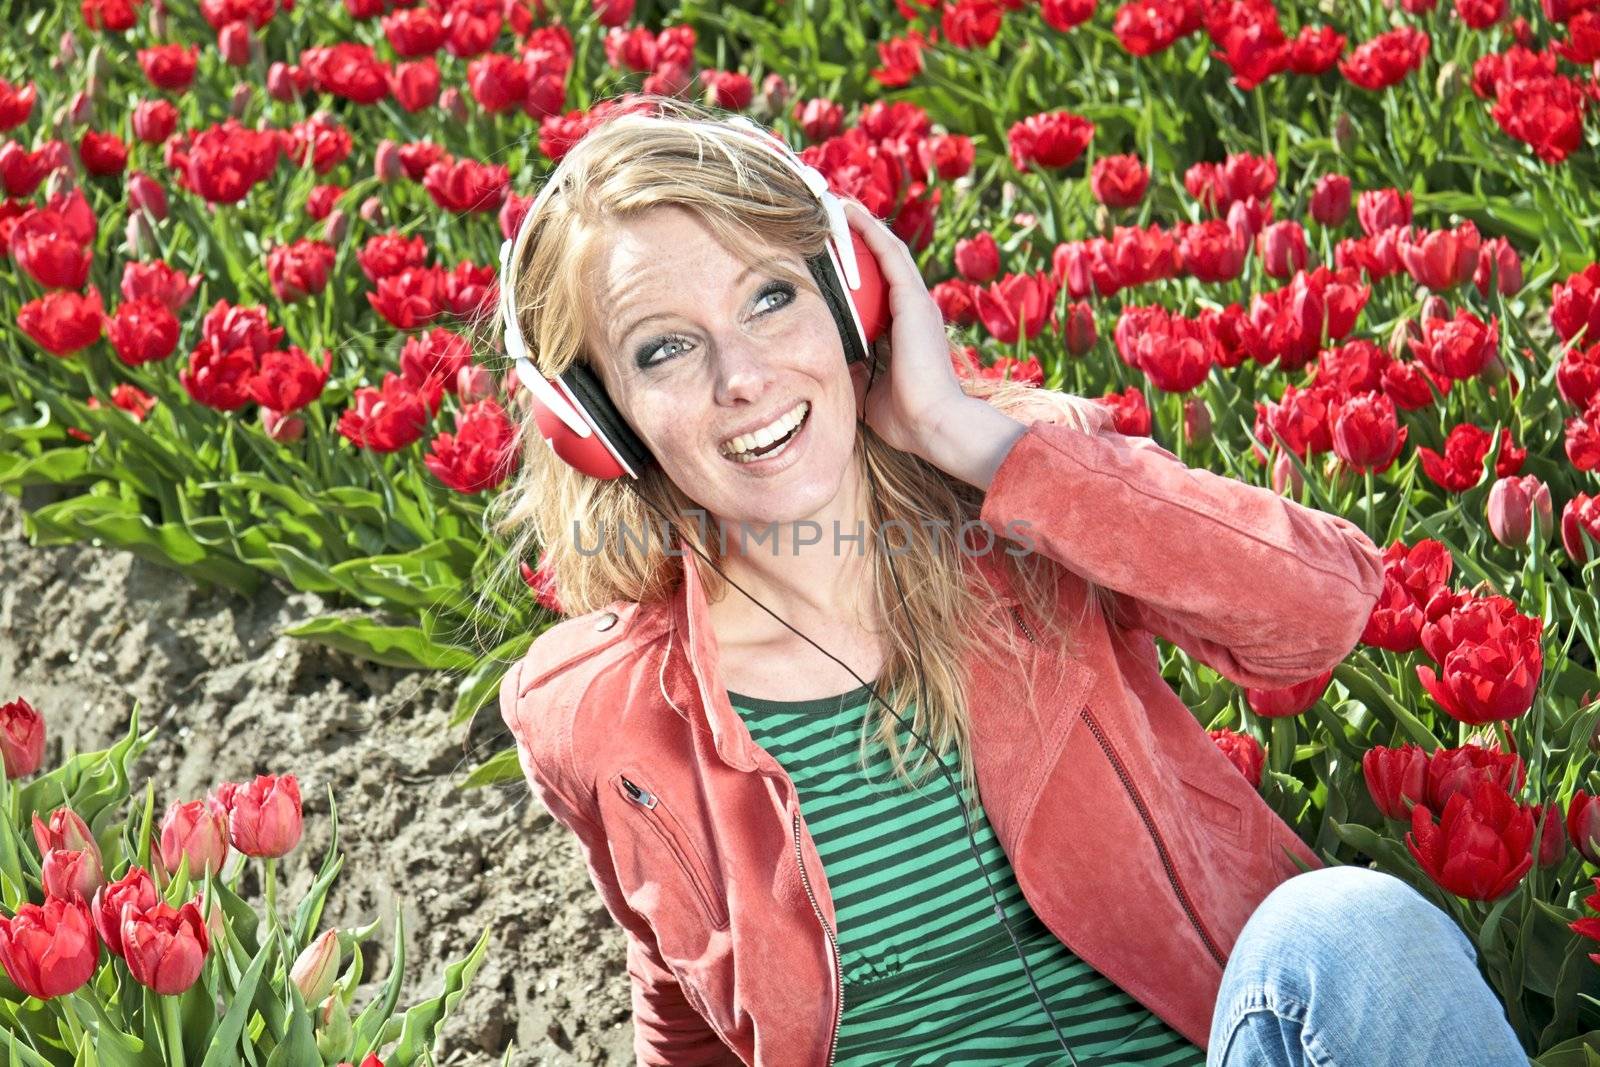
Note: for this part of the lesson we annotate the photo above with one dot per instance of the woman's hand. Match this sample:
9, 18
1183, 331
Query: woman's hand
921, 391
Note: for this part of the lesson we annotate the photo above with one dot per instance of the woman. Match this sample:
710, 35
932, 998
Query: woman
726, 722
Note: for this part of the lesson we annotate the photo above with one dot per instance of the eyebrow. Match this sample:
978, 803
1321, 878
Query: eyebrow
749, 270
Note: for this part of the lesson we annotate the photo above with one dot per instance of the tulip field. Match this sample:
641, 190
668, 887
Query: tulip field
1347, 249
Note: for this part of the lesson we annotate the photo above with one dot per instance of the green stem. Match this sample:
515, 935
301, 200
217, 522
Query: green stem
172, 1030
270, 882
1372, 526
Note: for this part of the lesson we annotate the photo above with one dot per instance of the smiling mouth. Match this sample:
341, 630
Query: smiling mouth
773, 448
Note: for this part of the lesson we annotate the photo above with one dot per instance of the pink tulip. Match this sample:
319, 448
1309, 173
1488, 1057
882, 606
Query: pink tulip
136, 888
197, 829
21, 738
51, 950
1515, 504
164, 947
263, 815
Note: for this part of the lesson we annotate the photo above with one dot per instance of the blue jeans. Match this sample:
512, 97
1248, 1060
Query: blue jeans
1351, 967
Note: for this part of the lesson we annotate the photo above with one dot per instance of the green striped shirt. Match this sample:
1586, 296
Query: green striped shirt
930, 976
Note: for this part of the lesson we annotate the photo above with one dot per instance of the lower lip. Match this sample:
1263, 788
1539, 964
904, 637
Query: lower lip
783, 459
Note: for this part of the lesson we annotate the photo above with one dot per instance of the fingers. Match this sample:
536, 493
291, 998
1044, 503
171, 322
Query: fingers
894, 258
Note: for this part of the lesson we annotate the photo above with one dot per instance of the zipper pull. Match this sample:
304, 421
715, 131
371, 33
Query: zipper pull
639, 795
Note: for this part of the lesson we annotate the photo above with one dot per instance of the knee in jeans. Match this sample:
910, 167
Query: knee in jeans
1350, 903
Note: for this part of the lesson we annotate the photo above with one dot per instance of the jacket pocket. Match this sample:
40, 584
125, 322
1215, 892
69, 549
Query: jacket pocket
653, 812
1216, 815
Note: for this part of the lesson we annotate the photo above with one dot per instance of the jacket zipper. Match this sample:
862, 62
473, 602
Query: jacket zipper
1161, 848
1026, 632
643, 797
833, 1038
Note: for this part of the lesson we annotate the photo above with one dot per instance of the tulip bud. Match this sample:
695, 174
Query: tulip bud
386, 166
158, 23
67, 51
371, 211
335, 226
146, 194
775, 93
1286, 476
1516, 505
141, 236
1594, 738
474, 382
1344, 134
333, 1025
239, 102
71, 875
1196, 422
1553, 837
454, 105
216, 920
1081, 331
21, 738
1494, 370
280, 83
1451, 81
284, 429
1434, 307
233, 41
316, 967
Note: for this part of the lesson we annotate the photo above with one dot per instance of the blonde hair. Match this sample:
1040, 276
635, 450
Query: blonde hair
628, 164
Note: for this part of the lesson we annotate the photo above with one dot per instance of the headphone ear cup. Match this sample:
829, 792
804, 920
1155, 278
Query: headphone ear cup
833, 295
605, 418
872, 299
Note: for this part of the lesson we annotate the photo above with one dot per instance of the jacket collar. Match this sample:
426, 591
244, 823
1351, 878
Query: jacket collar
697, 672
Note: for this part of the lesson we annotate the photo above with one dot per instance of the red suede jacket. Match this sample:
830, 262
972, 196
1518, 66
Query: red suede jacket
1133, 838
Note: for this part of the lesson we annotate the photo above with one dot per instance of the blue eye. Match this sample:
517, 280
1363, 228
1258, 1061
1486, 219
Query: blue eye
643, 357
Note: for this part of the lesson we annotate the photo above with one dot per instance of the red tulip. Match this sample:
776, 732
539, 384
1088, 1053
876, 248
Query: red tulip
1583, 825
102, 153
158, 281
300, 269
1243, 751
1014, 306
164, 947
263, 815
142, 331
1396, 778
44, 246
1457, 348
1330, 201
1367, 434
50, 950
1498, 266
1579, 517
16, 103
196, 830
1440, 259
1288, 700
135, 888
1381, 209
21, 738
978, 257
1489, 659
1118, 181
1457, 770
819, 118
1481, 847
1282, 248
1051, 140
479, 454
316, 968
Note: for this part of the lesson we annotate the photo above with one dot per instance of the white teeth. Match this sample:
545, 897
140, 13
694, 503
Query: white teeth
739, 447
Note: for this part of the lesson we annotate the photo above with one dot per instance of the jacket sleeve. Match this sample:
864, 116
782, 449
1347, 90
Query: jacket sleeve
668, 1031
1263, 590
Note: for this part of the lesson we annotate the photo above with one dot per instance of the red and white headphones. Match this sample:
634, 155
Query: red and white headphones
574, 414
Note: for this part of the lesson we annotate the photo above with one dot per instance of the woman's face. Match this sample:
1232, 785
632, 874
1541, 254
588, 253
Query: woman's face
698, 351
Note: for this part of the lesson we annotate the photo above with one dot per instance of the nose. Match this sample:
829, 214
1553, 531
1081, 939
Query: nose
742, 369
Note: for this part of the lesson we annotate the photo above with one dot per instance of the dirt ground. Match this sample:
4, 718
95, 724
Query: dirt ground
86, 633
